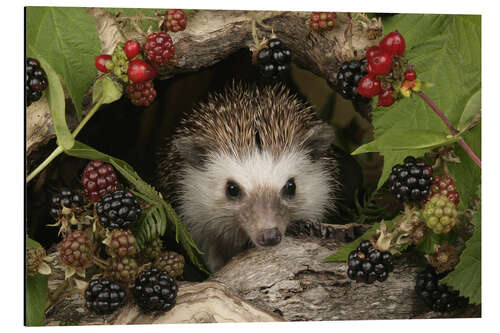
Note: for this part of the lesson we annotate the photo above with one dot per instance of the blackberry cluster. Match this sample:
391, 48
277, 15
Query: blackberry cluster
411, 181
99, 178
437, 296
118, 210
141, 93
445, 185
104, 296
155, 290
176, 20
64, 198
274, 60
171, 262
36, 81
159, 48
367, 264
348, 77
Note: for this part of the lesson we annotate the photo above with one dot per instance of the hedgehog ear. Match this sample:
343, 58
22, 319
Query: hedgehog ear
191, 149
318, 140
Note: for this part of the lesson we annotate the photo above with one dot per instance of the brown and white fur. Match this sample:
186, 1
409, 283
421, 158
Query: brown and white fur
259, 141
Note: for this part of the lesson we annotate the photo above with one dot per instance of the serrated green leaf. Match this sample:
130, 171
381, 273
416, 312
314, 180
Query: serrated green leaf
472, 109
446, 50
67, 38
342, 253
106, 90
467, 174
466, 277
401, 139
37, 291
57, 103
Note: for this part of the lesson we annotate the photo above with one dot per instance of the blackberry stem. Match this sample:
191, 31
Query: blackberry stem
59, 149
452, 129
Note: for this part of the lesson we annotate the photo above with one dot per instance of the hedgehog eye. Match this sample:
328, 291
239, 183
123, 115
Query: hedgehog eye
289, 188
233, 191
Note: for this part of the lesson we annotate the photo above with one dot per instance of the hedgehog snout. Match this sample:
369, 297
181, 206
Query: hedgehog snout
269, 237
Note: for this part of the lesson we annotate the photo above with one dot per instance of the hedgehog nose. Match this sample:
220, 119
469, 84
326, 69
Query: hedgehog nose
269, 237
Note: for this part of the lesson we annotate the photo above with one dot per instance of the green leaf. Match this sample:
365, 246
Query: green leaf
37, 291
427, 244
32, 243
106, 90
401, 139
57, 104
472, 109
155, 223
67, 38
467, 174
446, 51
466, 277
342, 253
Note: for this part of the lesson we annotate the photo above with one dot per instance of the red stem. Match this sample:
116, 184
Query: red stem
452, 129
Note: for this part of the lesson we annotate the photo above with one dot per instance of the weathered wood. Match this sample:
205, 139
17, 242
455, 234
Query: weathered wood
293, 281
288, 282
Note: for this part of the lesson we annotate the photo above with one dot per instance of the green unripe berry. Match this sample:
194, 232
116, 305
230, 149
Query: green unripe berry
440, 214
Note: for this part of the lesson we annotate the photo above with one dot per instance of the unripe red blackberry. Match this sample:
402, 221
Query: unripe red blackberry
323, 21
121, 243
274, 60
348, 77
65, 198
123, 269
411, 181
118, 210
445, 185
171, 262
176, 20
104, 296
367, 264
159, 47
76, 250
36, 81
437, 296
99, 178
155, 290
440, 214
141, 93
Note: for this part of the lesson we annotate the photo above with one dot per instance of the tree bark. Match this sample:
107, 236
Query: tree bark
288, 282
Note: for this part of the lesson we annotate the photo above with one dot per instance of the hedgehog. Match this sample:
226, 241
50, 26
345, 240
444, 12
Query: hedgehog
243, 165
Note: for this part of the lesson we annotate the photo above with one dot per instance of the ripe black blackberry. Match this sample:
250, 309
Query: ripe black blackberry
437, 296
118, 210
367, 264
36, 81
411, 181
64, 198
104, 296
155, 290
348, 77
274, 60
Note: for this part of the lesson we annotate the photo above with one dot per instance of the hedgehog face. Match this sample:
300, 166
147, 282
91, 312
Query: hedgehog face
258, 194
